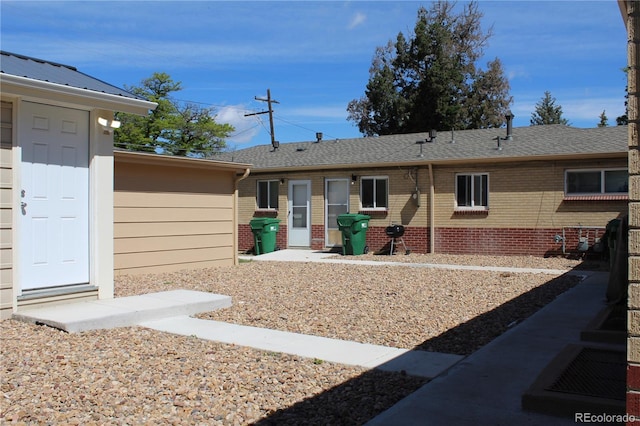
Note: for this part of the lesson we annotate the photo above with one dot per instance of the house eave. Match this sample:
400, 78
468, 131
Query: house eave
31, 89
443, 162
199, 163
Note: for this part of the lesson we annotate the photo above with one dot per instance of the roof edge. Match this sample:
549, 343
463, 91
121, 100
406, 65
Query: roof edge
23, 86
447, 162
201, 163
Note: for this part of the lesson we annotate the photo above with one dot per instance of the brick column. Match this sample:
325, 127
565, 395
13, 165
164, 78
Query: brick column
633, 342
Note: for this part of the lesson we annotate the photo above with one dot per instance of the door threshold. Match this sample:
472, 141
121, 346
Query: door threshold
56, 291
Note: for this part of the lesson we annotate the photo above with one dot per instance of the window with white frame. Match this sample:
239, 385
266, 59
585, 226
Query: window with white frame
472, 191
267, 197
374, 192
596, 181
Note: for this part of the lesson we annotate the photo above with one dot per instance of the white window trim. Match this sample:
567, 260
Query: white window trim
602, 171
378, 209
265, 209
471, 208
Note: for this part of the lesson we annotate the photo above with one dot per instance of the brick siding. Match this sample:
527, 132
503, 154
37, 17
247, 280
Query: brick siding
490, 241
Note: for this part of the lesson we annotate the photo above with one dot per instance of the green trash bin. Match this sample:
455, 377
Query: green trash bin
354, 233
264, 234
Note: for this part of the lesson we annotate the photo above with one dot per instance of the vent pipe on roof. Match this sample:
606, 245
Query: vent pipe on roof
509, 116
318, 136
453, 140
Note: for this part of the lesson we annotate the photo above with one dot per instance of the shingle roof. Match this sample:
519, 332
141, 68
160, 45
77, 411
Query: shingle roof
532, 142
38, 69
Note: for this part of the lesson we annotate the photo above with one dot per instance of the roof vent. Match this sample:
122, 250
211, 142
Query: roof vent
432, 136
509, 116
318, 136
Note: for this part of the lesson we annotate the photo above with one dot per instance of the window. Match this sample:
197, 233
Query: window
374, 192
268, 194
595, 181
472, 191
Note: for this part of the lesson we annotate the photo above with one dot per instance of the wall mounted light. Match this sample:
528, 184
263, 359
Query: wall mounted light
354, 179
281, 180
108, 126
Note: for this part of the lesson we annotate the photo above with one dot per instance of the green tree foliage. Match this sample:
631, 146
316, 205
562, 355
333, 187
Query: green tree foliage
547, 112
604, 121
172, 128
431, 79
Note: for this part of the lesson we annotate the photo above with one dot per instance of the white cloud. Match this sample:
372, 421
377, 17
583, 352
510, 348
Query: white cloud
357, 20
246, 128
328, 111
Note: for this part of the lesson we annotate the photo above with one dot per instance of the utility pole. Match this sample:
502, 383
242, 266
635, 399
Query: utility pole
269, 101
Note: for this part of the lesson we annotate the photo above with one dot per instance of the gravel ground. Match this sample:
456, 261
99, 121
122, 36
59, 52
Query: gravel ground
139, 376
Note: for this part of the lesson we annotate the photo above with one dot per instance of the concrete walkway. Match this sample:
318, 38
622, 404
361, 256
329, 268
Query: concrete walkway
487, 387
292, 255
417, 363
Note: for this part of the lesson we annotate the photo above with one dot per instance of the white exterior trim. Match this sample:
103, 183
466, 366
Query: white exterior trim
30, 89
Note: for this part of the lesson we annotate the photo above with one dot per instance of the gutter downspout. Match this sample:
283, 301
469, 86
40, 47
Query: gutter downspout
432, 237
235, 214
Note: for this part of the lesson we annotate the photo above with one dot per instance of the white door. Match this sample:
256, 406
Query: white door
54, 210
299, 229
337, 203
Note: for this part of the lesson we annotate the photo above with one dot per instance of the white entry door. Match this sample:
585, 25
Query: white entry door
54, 209
337, 203
299, 229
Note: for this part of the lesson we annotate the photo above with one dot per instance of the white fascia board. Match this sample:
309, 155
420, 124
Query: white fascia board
30, 88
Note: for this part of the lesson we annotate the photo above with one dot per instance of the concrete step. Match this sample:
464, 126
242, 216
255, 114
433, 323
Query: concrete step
123, 311
412, 362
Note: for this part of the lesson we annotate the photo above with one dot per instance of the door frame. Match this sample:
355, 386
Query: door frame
307, 182
57, 275
348, 182
101, 175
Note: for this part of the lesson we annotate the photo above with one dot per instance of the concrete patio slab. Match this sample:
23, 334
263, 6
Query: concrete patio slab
123, 311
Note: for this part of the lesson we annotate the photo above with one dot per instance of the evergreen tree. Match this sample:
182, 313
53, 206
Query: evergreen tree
547, 112
431, 80
604, 121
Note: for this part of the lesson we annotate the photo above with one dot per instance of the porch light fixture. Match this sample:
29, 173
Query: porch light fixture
354, 179
108, 126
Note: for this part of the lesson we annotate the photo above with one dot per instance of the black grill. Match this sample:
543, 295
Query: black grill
395, 231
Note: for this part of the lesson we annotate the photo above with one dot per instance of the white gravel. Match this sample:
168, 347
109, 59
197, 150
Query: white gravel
140, 376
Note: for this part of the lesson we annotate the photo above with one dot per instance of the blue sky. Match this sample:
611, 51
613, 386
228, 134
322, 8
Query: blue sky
315, 56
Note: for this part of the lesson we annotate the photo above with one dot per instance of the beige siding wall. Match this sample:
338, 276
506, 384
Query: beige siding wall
169, 217
527, 195
401, 186
6, 212
523, 195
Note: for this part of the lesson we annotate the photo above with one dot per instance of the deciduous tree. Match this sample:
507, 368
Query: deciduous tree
172, 128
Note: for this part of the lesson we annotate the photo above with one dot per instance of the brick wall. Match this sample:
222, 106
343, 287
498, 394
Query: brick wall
632, 21
490, 241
